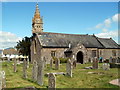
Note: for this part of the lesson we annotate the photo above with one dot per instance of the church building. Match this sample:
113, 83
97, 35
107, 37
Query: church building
78, 46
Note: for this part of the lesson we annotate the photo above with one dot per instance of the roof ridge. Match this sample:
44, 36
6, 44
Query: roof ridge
65, 33
97, 38
104, 38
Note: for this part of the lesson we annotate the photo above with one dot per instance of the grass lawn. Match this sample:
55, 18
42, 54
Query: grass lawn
80, 79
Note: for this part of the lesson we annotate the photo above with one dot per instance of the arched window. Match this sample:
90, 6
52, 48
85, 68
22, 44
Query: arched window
53, 53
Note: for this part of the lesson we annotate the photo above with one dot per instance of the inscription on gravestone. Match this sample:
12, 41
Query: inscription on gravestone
51, 81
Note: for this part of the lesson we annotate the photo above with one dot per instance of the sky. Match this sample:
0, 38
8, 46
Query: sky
99, 18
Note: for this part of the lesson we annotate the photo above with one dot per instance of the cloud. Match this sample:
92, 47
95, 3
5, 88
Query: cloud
108, 34
107, 22
104, 30
8, 39
115, 17
98, 26
3, 0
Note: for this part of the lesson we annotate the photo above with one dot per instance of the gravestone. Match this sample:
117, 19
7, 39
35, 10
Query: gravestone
95, 63
110, 60
57, 64
106, 66
45, 62
2, 80
34, 71
27, 62
89, 60
113, 60
8, 58
51, 81
40, 72
74, 64
15, 65
69, 68
24, 68
118, 60
51, 63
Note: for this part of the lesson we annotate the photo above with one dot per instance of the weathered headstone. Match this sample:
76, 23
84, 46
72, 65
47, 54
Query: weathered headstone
57, 64
110, 60
8, 59
113, 60
51, 63
34, 71
24, 68
15, 64
2, 80
95, 63
106, 66
51, 81
40, 72
45, 62
118, 60
69, 68
74, 64
27, 62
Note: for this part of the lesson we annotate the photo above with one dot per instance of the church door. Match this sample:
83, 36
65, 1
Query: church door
80, 57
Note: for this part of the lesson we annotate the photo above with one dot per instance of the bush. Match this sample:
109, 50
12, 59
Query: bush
63, 60
54, 58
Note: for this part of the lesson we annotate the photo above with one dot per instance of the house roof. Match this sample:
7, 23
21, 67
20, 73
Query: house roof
63, 40
108, 43
10, 51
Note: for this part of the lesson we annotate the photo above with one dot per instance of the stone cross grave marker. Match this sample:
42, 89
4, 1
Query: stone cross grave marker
2, 80
69, 68
95, 63
24, 68
15, 64
51, 81
34, 71
106, 66
40, 72
57, 64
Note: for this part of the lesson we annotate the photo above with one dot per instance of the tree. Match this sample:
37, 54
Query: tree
23, 46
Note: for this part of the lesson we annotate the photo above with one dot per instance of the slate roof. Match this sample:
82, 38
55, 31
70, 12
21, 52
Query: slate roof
63, 40
48, 39
108, 43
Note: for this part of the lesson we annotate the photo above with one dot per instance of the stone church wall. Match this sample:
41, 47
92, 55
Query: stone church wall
37, 52
107, 53
59, 52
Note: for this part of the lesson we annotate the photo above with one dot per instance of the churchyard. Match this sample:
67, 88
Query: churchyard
21, 76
